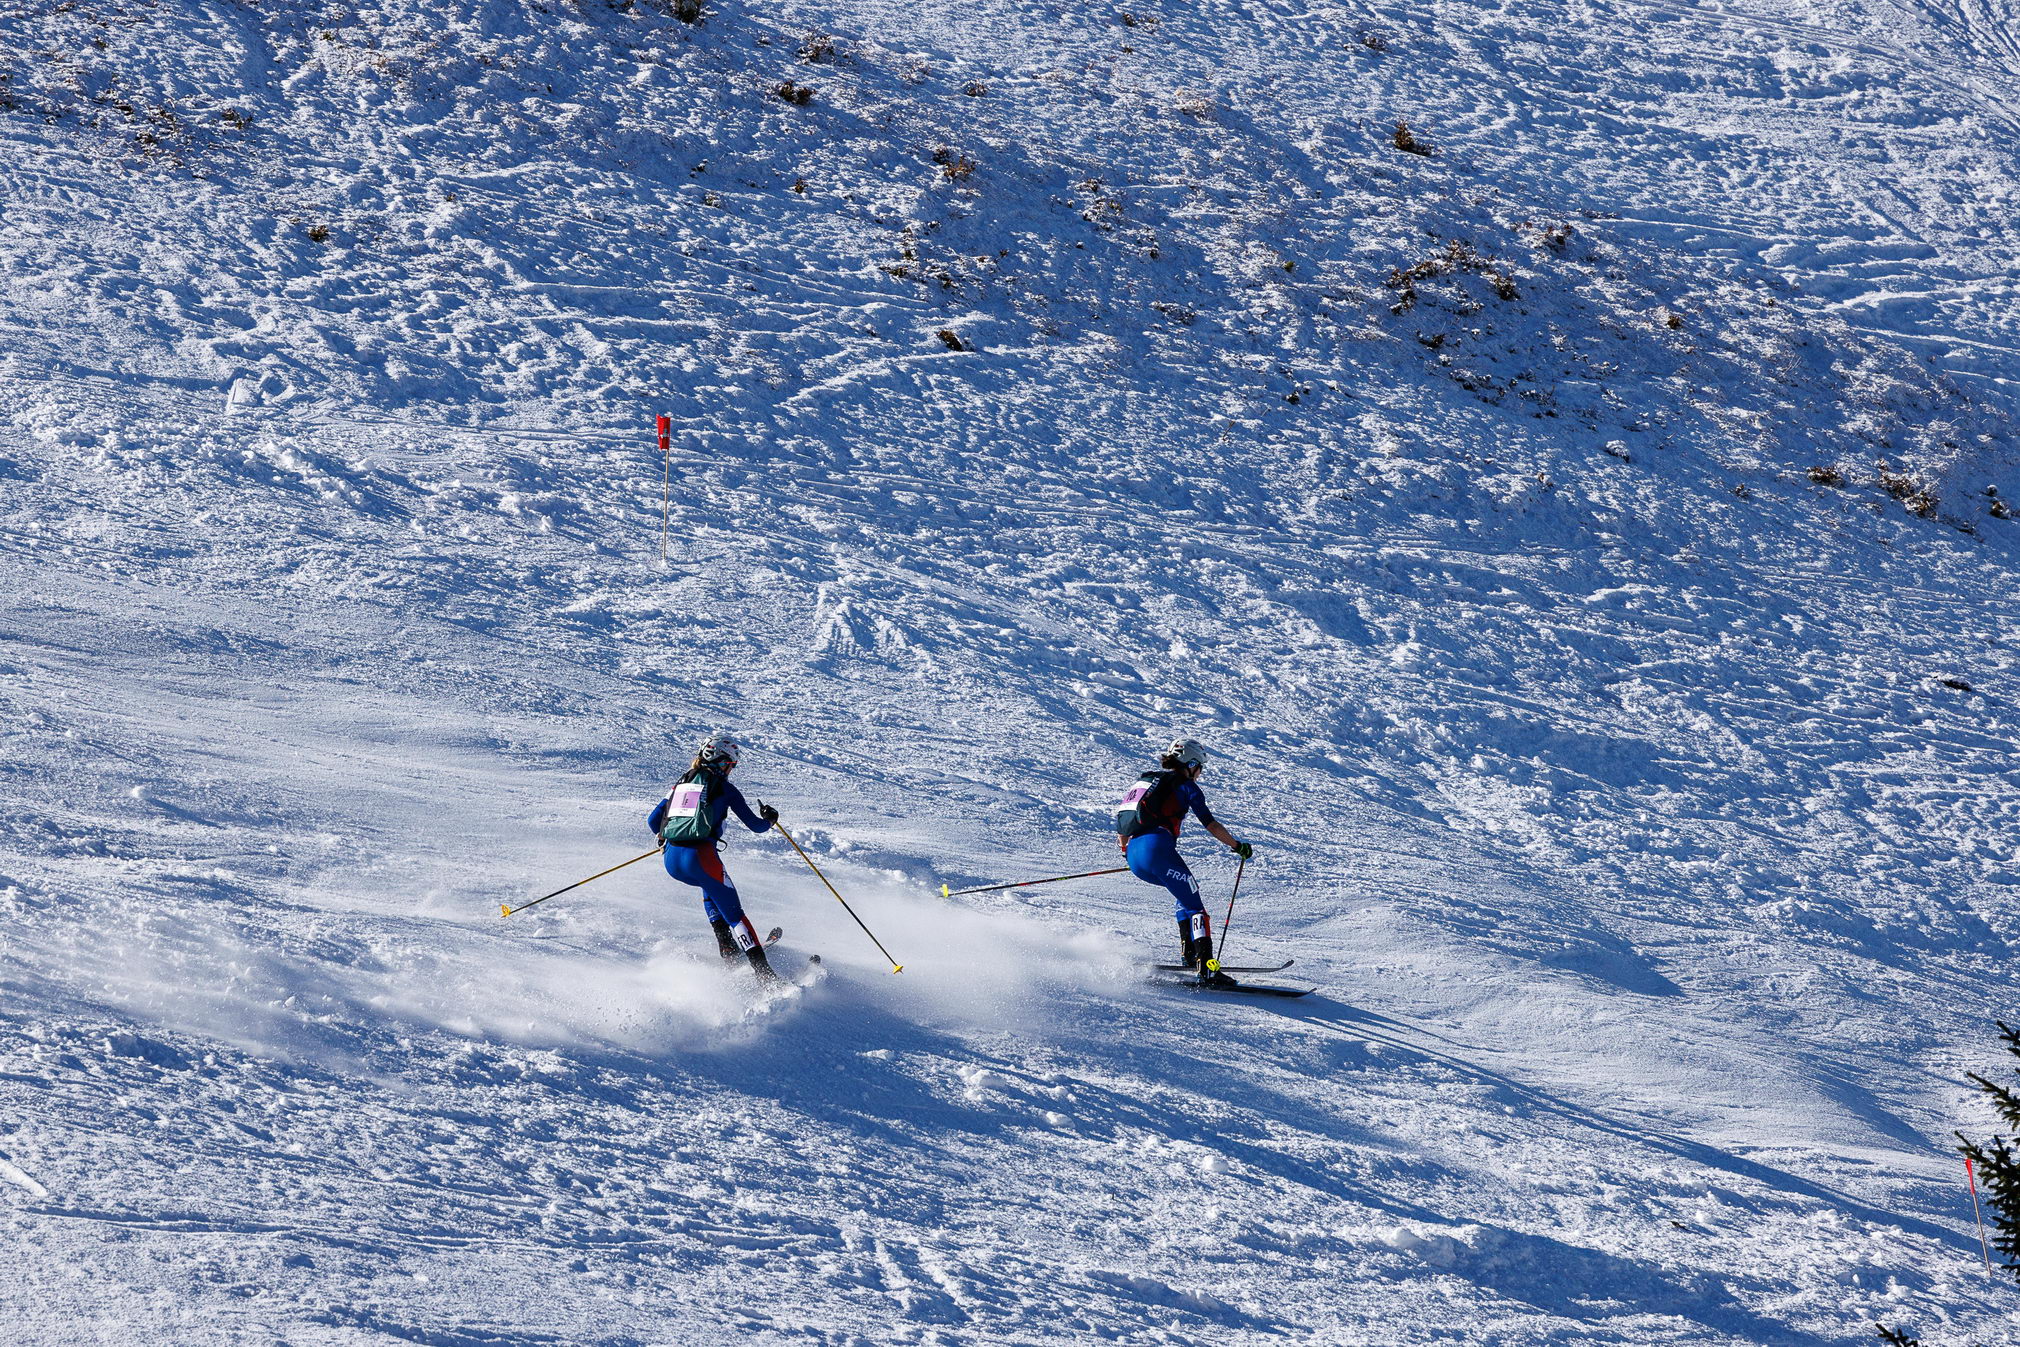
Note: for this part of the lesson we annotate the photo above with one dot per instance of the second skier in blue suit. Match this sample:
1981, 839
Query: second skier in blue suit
1148, 822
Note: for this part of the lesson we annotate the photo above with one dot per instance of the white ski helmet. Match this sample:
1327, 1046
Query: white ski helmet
721, 747
1188, 752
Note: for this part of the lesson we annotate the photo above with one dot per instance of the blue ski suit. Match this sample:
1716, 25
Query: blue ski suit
700, 865
1153, 856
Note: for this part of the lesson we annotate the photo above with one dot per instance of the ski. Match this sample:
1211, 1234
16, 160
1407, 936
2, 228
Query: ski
773, 938
781, 982
1239, 988
1250, 989
1229, 967
805, 977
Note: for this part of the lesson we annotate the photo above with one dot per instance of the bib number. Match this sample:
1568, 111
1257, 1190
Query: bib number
686, 800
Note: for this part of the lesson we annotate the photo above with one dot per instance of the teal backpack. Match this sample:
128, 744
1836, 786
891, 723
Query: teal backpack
692, 817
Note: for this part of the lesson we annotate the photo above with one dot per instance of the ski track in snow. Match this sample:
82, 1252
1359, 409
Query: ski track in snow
1643, 808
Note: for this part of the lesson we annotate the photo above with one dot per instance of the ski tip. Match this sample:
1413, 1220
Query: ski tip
504, 910
944, 893
897, 968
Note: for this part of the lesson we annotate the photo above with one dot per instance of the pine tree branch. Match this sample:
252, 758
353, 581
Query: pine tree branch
2004, 1100
2010, 1035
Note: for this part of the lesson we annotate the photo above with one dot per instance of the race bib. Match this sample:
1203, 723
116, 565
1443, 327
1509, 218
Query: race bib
1136, 794
685, 801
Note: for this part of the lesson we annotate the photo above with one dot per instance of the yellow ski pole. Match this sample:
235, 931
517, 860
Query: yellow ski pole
505, 911
946, 892
896, 967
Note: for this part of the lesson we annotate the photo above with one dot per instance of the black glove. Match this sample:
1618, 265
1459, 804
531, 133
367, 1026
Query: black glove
767, 813
1243, 850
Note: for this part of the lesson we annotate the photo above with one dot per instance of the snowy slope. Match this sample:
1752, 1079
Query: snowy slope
1643, 805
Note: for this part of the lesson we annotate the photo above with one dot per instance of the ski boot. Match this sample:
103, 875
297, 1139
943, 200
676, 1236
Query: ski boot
1200, 954
725, 943
760, 965
1197, 933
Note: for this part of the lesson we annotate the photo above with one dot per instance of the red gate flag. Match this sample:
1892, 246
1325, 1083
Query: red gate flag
666, 487
1971, 1177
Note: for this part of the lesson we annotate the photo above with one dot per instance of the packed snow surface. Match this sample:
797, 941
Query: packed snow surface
1574, 517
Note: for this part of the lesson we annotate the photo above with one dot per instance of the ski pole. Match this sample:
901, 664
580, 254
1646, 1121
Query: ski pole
945, 892
1239, 867
505, 911
896, 967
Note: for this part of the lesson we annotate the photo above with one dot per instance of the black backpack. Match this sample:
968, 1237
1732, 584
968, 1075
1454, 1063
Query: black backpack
692, 818
1152, 803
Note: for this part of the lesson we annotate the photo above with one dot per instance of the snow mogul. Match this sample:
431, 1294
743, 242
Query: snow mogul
690, 821
1148, 822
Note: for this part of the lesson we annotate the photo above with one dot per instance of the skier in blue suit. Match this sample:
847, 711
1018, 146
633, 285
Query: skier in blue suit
1148, 821
690, 821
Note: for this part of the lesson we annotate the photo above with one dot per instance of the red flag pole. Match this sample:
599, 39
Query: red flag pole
666, 499
1971, 1177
